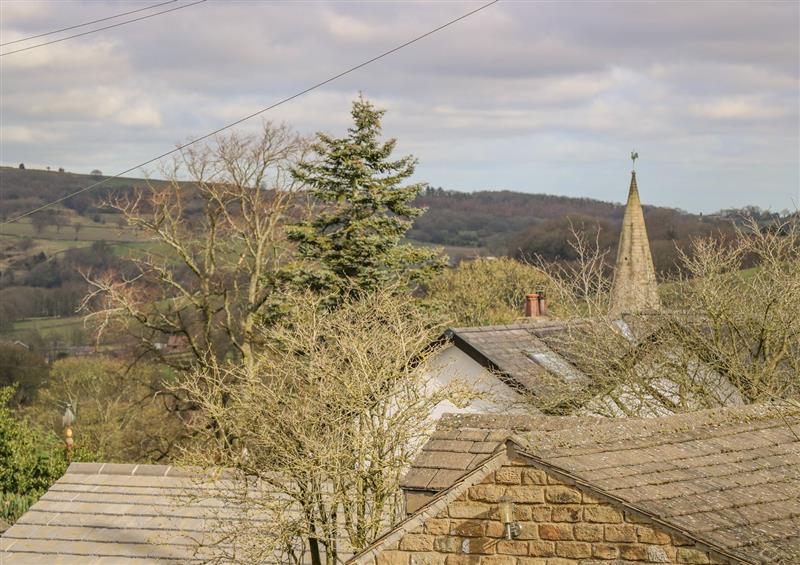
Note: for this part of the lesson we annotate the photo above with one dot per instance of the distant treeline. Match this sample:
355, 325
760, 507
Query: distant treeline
515, 224
528, 225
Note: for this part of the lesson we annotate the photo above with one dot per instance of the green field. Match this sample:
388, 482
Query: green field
48, 328
456, 253
748, 274
23, 239
88, 231
131, 249
49, 246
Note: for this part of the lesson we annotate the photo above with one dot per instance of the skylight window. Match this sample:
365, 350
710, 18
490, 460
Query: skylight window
556, 365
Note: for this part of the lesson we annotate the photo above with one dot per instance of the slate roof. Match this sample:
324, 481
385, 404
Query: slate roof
508, 350
729, 477
117, 514
533, 358
128, 514
461, 443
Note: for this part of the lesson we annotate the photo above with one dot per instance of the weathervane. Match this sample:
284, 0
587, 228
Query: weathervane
634, 156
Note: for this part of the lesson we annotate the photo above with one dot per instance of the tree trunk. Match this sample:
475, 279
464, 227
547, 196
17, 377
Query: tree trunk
313, 546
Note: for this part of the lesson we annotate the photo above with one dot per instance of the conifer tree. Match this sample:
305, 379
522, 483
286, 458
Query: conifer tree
354, 242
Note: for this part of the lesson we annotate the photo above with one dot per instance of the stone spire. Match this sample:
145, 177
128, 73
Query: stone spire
634, 288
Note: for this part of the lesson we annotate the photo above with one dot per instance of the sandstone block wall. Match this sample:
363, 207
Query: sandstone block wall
561, 525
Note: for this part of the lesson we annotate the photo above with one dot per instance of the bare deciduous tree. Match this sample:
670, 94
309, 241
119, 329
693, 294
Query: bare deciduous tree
218, 238
484, 291
726, 335
578, 288
744, 323
331, 413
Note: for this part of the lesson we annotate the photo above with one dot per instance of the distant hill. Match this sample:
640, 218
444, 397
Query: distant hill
523, 225
24, 189
42, 256
478, 223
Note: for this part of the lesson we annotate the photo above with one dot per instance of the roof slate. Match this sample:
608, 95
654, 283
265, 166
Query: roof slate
121, 514
539, 360
729, 477
510, 350
463, 442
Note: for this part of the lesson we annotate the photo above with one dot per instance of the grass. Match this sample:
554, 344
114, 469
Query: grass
10, 252
456, 253
668, 290
89, 231
52, 240
131, 249
49, 246
748, 274
61, 327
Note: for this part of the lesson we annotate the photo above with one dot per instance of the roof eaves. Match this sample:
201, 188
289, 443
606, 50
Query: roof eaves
485, 361
136, 469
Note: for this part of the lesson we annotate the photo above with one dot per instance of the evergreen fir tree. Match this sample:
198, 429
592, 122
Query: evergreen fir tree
355, 241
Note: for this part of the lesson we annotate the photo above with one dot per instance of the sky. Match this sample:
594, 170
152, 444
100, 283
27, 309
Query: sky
544, 97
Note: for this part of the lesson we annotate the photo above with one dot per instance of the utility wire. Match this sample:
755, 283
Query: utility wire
100, 29
87, 23
254, 114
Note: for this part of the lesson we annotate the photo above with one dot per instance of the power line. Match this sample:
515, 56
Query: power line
101, 28
254, 114
87, 23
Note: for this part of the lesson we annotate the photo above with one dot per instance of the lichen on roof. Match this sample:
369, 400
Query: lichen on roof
729, 477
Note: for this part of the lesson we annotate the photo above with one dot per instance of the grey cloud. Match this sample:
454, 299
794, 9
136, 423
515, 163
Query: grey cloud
505, 99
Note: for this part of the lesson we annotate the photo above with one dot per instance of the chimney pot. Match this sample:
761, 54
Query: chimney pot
542, 304
532, 306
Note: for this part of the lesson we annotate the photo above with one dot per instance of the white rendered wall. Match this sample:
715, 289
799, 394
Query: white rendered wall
496, 397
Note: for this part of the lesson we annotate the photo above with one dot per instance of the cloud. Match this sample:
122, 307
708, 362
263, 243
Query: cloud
101, 103
738, 109
349, 28
22, 13
27, 135
517, 92
99, 53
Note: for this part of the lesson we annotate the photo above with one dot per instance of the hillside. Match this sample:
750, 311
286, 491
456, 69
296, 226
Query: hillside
42, 256
486, 222
524, 225
23, 189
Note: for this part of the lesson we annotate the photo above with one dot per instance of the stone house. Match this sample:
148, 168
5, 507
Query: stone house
718, 486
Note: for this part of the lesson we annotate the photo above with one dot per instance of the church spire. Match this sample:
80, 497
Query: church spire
634, 288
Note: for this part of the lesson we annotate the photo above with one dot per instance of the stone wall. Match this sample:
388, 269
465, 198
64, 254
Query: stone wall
561, 524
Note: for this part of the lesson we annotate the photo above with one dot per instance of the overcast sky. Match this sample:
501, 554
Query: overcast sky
545, 97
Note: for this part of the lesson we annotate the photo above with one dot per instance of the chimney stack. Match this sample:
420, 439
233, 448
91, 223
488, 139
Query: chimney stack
532, 305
